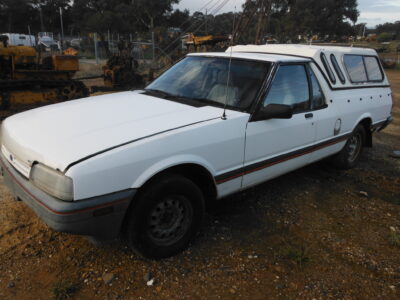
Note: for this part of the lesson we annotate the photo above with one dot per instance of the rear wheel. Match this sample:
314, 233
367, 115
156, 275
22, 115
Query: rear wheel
350, 154
165, 217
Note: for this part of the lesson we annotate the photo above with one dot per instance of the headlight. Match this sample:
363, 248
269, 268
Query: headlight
52, 182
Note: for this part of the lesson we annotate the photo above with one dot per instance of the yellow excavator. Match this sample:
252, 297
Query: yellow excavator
27, 79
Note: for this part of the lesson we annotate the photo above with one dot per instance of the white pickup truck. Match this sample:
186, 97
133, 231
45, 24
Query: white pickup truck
145, 162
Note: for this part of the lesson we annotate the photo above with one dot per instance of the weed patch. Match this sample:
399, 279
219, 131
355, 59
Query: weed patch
297, 254
394, 238
64, 289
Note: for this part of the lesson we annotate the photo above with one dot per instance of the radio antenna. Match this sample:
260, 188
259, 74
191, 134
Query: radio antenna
229, 68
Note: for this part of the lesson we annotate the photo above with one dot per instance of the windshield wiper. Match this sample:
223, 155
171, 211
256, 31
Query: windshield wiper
159, 93
208, 101
197, 102
172, 97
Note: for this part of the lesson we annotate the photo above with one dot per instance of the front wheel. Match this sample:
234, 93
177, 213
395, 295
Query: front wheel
350, 154
165, 217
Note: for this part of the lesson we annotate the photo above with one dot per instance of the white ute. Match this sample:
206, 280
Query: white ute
145, 162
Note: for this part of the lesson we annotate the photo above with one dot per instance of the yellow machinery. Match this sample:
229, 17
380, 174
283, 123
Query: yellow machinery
121, 71
27, 79
201, 42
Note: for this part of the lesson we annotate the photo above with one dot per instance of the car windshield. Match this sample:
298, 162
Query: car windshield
204, 81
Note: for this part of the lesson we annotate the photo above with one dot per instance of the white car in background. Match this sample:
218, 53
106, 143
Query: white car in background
145, 162
18, 39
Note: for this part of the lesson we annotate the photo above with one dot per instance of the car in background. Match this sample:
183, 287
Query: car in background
17, 39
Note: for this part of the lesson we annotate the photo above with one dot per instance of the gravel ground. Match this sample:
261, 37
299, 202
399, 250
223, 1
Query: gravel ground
316, 233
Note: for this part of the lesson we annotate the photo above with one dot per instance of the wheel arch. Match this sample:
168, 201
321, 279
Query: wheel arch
193, 168
198, 174
366, 122
201, 175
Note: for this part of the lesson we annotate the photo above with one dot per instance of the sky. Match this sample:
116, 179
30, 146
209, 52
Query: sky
372, 12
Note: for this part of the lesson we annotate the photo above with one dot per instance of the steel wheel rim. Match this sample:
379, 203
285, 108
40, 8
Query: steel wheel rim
169, 220
354, 146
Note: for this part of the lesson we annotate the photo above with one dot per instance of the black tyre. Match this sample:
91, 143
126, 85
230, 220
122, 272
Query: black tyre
350, 154
165, 217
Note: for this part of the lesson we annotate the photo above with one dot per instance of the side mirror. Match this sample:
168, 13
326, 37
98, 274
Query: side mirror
274, 111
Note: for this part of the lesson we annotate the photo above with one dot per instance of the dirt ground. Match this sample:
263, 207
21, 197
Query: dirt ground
317, 233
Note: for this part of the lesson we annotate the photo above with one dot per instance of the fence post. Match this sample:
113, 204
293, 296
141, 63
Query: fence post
108, 40
153, 46
95, 48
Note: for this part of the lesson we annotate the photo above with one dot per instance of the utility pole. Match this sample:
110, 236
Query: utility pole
41, 19
62, 29
206, 22
153, 46
30, 37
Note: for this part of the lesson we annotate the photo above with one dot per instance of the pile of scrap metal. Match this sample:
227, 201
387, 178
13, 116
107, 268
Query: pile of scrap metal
28, 79
121, 71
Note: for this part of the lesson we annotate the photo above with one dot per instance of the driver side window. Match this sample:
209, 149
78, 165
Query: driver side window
290, 87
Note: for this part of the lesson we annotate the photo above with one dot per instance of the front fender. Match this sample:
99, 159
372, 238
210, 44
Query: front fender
170, 162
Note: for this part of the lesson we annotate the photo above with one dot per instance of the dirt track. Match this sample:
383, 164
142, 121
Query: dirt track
308, 234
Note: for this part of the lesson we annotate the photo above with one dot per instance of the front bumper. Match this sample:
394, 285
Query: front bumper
100, 216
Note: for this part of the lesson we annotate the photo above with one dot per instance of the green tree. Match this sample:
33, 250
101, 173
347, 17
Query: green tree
178, 18
286, 19
15, 15
393, 28
326, 18
121, 15
385, 37
223, 23
50, 10
152, 12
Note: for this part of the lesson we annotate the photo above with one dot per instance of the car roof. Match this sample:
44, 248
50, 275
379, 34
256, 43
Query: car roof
315, 53
253, 56
311, 51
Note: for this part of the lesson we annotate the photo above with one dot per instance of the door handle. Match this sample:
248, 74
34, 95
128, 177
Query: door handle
308, 116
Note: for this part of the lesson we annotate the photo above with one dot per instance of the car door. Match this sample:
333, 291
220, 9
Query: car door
277, 146
329, 137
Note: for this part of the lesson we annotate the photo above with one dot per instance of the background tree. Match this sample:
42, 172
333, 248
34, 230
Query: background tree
325, 18
15, 15
122, 16
223, 24
393, 28
51, 13
152, 13
178, 18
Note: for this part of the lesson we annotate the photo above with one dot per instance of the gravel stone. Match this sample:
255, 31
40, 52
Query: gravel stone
108, 278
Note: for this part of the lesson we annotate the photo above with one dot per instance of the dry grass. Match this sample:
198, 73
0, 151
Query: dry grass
64, 289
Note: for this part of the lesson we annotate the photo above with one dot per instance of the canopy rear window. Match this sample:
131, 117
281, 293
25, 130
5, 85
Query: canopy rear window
373, 70
362, 68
